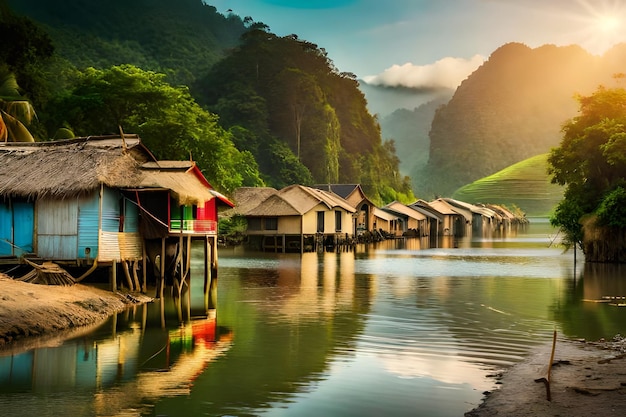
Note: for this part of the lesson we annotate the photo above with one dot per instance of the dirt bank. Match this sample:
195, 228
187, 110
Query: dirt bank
50, 311
587, 379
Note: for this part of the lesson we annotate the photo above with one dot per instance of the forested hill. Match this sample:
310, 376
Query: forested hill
510, 109
183, 37
253, 108
409, 129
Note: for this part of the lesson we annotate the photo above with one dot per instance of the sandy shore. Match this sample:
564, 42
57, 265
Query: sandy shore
51, 312
587, 379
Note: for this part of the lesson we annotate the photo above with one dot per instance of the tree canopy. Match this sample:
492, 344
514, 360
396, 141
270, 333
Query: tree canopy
167, 118
285, 90
591, 164
251, 107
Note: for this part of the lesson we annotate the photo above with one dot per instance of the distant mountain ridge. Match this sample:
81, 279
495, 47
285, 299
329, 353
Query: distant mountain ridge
409, 130
510, 109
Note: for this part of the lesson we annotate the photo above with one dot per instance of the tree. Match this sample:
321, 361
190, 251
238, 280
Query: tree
286, 89
15, 110
167, 118
26, 51
590, 163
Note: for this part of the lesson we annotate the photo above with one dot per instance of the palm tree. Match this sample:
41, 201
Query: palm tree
15, 110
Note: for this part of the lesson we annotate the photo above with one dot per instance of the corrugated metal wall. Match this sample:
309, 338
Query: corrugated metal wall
69, 229
88, 223
16, 228
116, 245
131, 218
57, 228
6, 230
24, 227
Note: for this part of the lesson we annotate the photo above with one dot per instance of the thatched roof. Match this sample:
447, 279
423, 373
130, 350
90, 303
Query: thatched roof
298, 200
342, 190
384, 215
442, 207
74, 167
247, 198
483, 211
398, 207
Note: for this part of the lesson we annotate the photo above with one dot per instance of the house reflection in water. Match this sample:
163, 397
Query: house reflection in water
125, 371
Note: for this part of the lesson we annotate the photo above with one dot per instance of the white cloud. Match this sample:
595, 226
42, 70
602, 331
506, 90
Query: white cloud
445, 73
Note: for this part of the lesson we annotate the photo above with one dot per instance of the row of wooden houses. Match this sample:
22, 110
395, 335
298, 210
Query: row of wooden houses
106, 201
301, 218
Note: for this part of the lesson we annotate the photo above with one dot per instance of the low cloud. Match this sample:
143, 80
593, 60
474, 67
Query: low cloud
447, 73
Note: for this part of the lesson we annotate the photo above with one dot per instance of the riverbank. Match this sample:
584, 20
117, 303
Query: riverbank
33, 315
587, 379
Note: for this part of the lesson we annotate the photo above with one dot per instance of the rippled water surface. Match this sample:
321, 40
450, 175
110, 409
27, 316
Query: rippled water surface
393, 330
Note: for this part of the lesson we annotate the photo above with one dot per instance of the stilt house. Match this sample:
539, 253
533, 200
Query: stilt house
355, 196
102, 201
299, 218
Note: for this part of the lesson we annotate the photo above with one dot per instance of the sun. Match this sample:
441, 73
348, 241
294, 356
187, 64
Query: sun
608, 24
602, 24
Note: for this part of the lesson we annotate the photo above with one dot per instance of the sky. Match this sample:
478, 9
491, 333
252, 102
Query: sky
433, 43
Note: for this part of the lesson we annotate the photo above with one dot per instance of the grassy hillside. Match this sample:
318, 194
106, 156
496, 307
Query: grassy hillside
525, 184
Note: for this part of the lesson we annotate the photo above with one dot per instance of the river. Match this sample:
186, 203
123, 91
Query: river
392, 329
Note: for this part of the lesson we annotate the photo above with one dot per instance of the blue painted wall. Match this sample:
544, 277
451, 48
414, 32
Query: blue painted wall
16, 228
110, 210
88, 222
24, 227
6, 229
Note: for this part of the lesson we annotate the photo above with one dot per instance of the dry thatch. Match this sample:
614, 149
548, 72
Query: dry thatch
74, 167
298, 200
48, 273
247, 198
67, 168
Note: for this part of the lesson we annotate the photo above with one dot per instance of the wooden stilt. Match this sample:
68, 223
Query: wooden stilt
144, 317
207, 272
213, 286
113, 276
135, 277
162, 305
162, 271
144, 265
129, 281
188, 259
179, 309
188, 299
114, 326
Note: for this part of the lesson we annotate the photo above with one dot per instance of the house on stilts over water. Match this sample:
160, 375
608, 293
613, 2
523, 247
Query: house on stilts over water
105, 201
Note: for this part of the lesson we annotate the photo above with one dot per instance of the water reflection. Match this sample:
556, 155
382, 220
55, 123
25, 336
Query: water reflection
392, 329
119, 370
593, 306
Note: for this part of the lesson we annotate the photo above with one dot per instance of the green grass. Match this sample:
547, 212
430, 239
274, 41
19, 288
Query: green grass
525, 185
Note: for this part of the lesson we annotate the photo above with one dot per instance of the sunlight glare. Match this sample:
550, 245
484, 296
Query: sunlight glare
608, 23
601, 24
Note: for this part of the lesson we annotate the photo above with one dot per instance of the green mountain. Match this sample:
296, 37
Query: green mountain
280, 101
525, 184
288, 89
509, 109
409, 131
183, 38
